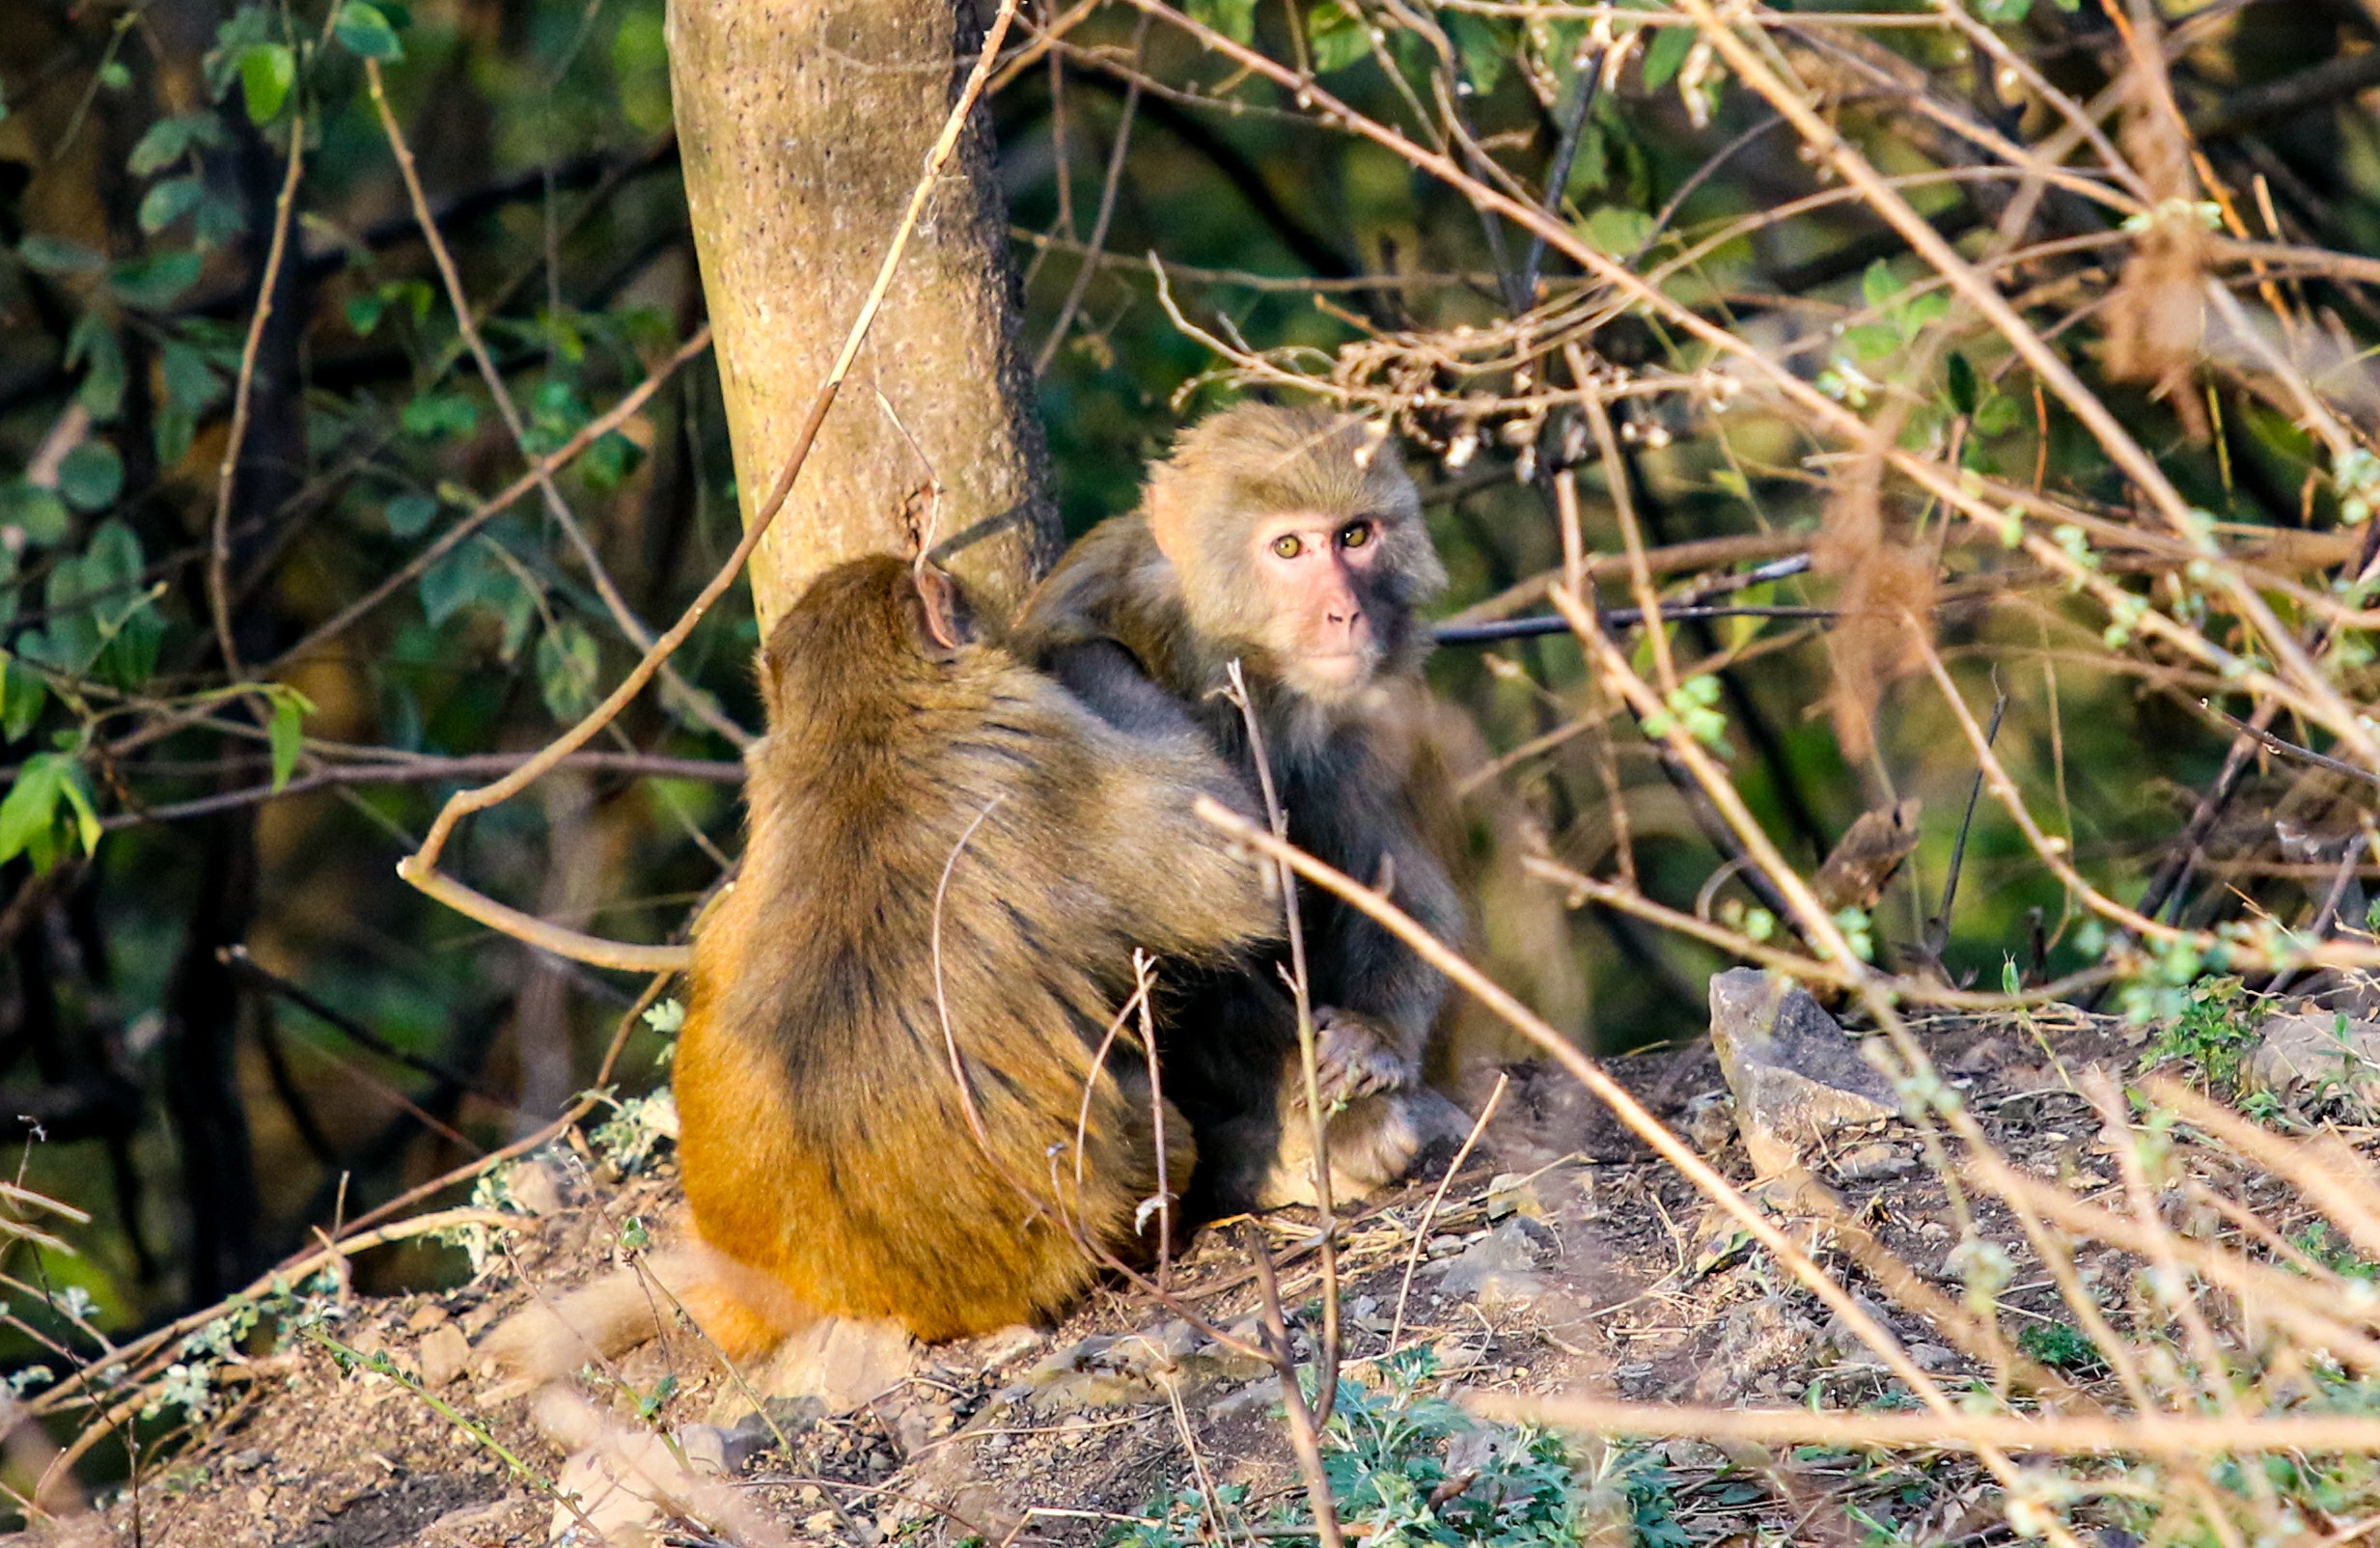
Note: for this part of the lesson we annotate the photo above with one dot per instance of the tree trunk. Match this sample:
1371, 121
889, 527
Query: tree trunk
804, 125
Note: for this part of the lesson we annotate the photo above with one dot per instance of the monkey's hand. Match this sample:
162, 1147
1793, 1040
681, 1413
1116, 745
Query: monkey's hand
1354, 1057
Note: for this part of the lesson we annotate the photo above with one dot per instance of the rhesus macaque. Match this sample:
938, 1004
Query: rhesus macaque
1289, 540
950, 860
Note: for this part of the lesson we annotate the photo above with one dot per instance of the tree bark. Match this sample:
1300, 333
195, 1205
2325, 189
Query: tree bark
804, 127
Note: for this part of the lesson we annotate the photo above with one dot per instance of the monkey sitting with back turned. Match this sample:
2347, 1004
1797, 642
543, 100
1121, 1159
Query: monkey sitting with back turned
1289, 540
949, 864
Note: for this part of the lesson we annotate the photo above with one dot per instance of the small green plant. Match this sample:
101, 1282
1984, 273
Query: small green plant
2061, 1347
2215, 1030
2335, 1252
632, 1136
1408, 1469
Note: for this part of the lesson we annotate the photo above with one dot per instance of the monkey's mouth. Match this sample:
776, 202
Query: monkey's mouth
1343, 664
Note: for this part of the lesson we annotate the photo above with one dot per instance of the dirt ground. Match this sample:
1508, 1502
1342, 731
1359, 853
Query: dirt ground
1561, 1258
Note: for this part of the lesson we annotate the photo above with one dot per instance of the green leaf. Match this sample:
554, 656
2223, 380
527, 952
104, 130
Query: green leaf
568, 661
1483, 47
190, 382
91, 476
27, 695
366, 31
31, 802
266, 73
408, 515
55, 255
1235, 19
1914, 313
94, 340
1873, 341
169, 139
37, 512
1337, 38
129, 658
1618, 230
1997, 415
436, 415
76, 786
115, 75
467, 575
154, 281
112, 561
169, 201
1878, 287
1666, 55
176, 429
287, 733
219, 220
364, 313
1960, 379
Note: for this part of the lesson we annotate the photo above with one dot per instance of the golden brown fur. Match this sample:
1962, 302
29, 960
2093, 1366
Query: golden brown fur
908, 795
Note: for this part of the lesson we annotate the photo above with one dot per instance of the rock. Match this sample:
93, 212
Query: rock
1867, 1163
1253, 1399
445, 1354
426, 1317
838, 1364
999, 1348
1515, 1193
1933, 1358
2316, 1050
1797, 1078
536, 1185
1500, 1266
1757, 1339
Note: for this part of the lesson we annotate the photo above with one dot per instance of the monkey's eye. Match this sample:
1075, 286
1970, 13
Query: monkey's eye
1287, 545
1355, 534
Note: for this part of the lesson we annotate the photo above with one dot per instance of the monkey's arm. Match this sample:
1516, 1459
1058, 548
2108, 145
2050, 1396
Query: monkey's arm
1104, 675
1357, 966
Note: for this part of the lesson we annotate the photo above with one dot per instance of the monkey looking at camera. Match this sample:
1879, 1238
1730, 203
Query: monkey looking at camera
1289, 540
949, 864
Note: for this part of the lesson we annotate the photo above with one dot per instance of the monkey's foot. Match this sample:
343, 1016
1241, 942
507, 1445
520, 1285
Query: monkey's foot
1372, 1142
1353, 1059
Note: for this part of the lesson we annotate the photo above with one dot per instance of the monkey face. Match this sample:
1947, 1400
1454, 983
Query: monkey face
1318, 575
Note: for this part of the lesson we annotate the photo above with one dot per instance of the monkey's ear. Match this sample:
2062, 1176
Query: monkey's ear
1169, 518
942, 611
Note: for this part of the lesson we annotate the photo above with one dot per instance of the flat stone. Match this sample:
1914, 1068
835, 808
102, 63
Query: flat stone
1500, 1266
1865, 1163
2315, 1049
1798, 1078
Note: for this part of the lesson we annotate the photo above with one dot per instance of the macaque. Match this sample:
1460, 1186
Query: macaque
950, 863
1289, 540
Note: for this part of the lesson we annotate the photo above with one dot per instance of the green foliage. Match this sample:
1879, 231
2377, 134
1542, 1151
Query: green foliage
1235, 19
1337, 35
2214, 1032
363, 30
49, 794
632, 1136
2061, 1347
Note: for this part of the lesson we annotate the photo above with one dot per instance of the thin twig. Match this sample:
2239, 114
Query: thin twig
1420, 1229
